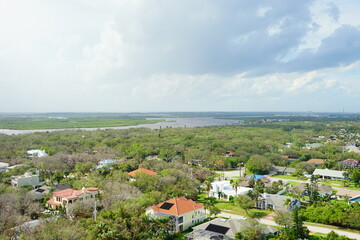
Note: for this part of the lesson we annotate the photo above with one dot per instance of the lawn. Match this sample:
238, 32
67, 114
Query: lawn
231, 208
289, 177
294, 183
339, 184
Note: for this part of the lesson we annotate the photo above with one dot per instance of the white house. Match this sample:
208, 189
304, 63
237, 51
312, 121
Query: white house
26, 179
106, 162
224, 189
3, 166
36, 153
183, 212
329, 174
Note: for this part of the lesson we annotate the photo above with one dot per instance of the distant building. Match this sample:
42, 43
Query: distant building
349, 163
276, 170
316, 162
290, 158
105, 163
351, 147
224, 189
329, 174
28, 179
36, 153
312, 145
3, 166
229, 154
68, 196
141, 170
182, 212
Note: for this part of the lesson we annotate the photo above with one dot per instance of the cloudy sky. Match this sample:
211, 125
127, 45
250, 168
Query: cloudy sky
179, 55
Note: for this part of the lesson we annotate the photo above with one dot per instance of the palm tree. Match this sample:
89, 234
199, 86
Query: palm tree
235, 184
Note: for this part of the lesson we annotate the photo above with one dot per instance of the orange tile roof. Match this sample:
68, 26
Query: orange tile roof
52, 202
317, 161
180, 206
142, 170
71, 193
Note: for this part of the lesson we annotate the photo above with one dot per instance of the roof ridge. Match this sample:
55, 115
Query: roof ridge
176, 206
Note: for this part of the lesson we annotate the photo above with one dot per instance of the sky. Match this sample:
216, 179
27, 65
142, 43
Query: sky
179, 55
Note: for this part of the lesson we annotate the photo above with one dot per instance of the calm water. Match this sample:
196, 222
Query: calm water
176, 123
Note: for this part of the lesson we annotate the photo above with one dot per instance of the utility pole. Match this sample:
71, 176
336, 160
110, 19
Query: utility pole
95, 211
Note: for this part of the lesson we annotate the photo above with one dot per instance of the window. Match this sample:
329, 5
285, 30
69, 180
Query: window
58, 199
180, 220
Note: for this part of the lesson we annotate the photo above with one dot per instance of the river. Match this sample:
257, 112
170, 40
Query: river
171, 123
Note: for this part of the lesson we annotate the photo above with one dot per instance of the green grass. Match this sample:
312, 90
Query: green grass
20, 123
231, 208
339, 184
294, 183
288, 177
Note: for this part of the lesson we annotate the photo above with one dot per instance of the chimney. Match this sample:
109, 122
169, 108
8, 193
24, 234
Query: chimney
83, 190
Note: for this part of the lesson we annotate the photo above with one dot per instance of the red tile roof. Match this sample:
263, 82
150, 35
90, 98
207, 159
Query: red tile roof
142, 170
180, 206
350, 160
52, 202
71, 193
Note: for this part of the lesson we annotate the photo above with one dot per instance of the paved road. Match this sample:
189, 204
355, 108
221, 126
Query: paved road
322, 229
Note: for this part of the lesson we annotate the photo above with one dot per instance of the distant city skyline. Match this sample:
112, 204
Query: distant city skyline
180, 56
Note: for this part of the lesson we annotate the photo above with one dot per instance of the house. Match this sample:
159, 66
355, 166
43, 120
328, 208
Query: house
28, 179
351, 147
183, 212
3, 166
224, 229
323, 190
141, 170
316, 162
40, 192
68, 196
276, 202
229, 154
224, 189
312, 145
290, 158
329, 174
36, 153
152, 157
355, 199
276, 170
349, 163
105, 163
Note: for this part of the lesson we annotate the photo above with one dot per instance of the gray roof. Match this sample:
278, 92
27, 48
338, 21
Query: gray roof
277, 200
234, 225
323, 189
283, 169
329, 173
